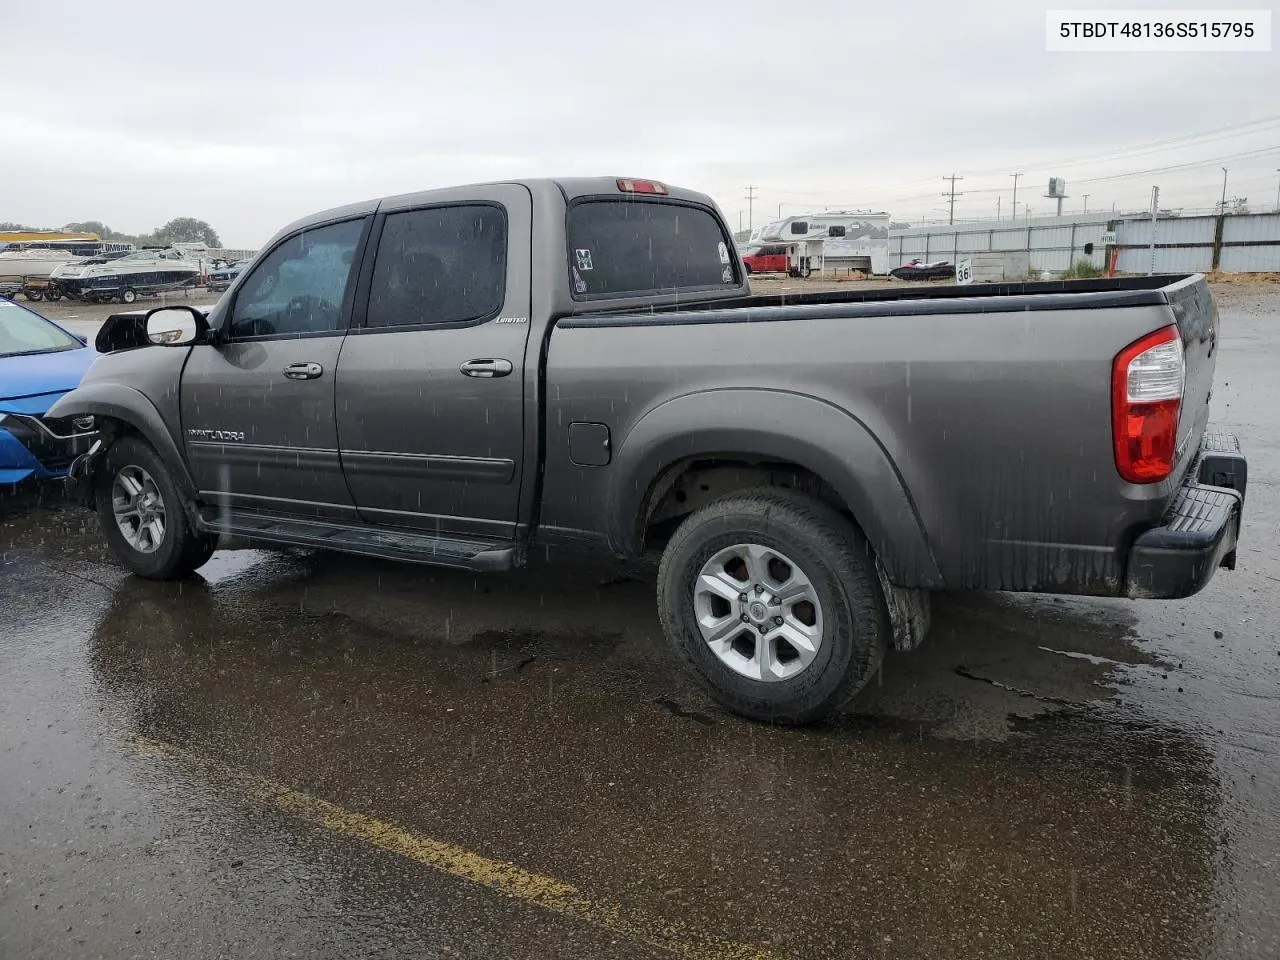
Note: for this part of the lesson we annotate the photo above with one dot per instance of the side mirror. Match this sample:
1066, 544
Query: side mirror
175, 326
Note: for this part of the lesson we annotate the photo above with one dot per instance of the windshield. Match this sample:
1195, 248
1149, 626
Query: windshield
23, 332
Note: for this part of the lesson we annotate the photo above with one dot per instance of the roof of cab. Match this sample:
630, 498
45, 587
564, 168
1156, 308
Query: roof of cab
571, 188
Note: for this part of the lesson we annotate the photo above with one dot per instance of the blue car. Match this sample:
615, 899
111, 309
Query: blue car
39, 362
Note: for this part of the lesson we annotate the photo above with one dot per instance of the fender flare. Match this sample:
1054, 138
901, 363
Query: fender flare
773, 424
120, 402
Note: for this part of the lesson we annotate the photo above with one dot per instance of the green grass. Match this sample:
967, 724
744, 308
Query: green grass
1082, 269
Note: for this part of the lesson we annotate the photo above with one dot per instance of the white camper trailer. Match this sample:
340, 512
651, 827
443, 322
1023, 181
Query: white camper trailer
848, 239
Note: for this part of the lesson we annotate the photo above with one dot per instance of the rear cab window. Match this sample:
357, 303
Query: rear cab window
633, 247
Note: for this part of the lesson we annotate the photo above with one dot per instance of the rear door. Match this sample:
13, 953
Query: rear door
257, 408
430, 407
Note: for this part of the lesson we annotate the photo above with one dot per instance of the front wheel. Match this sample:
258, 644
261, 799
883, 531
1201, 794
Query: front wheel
142, 515
772, 598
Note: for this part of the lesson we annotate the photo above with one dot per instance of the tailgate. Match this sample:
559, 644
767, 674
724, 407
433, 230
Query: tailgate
1197, 318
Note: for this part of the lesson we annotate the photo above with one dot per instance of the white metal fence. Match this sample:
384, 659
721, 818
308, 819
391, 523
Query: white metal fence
1246, 243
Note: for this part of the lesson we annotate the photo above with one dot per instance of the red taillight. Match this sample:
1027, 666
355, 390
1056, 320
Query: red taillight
641, 186
1147, 381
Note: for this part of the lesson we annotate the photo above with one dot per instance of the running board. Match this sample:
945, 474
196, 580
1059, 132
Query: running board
462, 554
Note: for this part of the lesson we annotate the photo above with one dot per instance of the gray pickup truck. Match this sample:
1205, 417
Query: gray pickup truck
457, 376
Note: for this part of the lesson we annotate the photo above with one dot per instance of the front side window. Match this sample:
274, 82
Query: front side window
634, 247
439, 265
300, 286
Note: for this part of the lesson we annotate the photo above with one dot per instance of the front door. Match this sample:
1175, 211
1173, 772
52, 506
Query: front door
257, 408
431, 379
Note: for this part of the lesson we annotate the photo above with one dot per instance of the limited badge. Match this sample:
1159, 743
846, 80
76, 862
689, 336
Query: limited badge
584, 259
724, 253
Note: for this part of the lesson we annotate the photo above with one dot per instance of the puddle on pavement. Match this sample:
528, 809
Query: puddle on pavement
984, 786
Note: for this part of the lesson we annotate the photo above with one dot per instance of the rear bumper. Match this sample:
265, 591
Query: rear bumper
1200, 531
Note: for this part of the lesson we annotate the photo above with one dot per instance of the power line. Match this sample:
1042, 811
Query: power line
1190, 165
1206, 136
951, 207
1263, 123
1119, 153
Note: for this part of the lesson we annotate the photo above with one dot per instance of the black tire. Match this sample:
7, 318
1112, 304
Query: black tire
128, 296
746, 267
837, 560
35, 296
182, 549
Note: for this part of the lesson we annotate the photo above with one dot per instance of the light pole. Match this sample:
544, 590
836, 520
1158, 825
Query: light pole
1223, 207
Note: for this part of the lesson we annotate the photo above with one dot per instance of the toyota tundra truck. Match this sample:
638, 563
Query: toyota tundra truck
460, 376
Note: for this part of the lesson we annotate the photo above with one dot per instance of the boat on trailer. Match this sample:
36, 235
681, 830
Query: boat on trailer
150, 270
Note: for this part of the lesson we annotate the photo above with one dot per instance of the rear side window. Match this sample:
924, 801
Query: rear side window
439, 265
633, 247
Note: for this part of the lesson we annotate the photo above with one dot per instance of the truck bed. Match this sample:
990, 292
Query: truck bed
986, 407
945, 298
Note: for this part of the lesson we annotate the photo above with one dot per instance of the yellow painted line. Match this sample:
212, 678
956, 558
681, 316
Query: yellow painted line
534, 889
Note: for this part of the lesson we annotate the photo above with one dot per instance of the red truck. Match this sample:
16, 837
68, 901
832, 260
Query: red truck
769, 258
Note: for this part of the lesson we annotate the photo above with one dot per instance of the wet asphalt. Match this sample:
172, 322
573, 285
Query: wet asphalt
305, 755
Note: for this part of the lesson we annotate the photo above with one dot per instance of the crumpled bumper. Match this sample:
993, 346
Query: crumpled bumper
17, 463
32, 447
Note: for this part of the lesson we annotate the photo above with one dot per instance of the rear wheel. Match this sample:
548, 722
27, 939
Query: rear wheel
128, 296
35, 296
772, 598
142, 515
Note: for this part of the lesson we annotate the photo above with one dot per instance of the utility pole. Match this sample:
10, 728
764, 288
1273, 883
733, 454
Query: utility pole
1278, 192
1222, 208
1014, 205
951, 214
1155, 209
1086, 203
739, 221
751, 199
998, 199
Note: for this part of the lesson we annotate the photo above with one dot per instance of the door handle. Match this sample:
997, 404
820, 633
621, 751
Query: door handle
486, 368
303, 371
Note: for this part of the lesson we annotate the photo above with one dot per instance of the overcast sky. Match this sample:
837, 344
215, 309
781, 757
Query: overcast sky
251, 114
